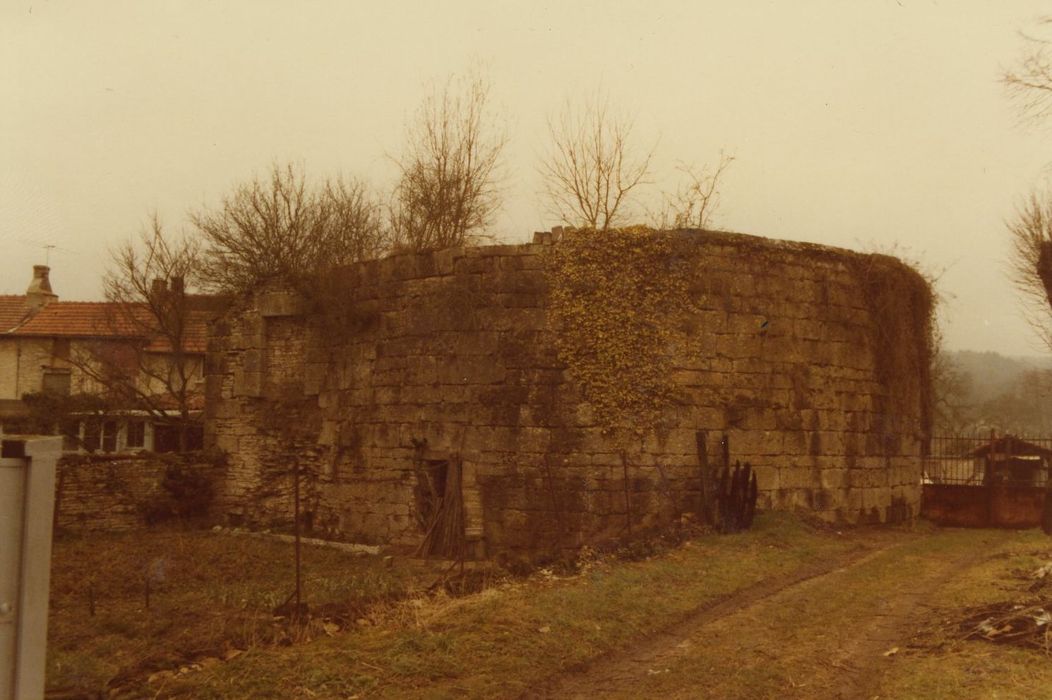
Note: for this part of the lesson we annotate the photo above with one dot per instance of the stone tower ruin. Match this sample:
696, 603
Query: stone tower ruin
486, 375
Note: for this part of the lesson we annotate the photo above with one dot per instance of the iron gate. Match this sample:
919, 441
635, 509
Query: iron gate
986, 481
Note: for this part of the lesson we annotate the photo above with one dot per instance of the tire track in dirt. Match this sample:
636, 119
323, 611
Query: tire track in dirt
861, 659
622, 667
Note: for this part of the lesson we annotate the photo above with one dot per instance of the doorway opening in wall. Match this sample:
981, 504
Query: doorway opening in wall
440, 508
431, 477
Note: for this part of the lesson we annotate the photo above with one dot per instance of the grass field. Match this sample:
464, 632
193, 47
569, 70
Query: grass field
125, 606
209, 631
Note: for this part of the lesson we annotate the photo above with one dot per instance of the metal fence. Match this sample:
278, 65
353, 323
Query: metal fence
1017, 460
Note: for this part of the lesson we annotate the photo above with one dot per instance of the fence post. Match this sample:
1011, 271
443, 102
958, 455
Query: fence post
990, 459
1046, 510
707, 483
27, 492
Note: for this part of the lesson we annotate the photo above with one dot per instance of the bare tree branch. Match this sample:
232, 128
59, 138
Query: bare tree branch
694, 203
284, 230
448, 191
590, 174
142, 359
1030, 83
1031, 261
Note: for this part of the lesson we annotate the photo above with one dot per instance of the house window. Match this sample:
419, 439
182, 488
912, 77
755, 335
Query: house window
92, 432
166, 437
136, 435
70, 435
56, 382
60, 349
109, 436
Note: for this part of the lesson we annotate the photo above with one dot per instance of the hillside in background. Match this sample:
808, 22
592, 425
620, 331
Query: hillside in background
987, 390
991, 372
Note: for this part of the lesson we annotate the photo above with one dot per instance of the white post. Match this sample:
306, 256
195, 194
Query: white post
27, 498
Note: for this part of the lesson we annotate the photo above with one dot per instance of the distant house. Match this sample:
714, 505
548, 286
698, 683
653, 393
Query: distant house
44, 344
1012, 460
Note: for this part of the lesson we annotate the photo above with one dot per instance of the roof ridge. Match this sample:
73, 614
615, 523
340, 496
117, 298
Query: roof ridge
72, 301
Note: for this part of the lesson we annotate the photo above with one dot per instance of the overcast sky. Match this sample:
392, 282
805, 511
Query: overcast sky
869, 125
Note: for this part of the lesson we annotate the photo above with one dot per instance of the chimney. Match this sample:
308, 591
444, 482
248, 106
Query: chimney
39, 294
177, 285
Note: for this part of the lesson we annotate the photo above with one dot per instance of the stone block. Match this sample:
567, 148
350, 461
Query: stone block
834, 478
247, 383
767, 477
276, 304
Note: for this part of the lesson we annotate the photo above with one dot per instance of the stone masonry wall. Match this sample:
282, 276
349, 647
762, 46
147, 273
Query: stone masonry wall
21, 360
419, 360
111, 493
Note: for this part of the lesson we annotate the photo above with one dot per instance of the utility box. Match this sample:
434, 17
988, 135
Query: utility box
27, 499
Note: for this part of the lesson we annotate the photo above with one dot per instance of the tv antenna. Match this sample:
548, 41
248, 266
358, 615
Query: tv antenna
48, 247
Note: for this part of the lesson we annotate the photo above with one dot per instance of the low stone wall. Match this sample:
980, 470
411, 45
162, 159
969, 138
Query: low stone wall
114, 492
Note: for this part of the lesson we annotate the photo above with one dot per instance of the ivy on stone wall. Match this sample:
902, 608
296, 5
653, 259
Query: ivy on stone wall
902, 303
617, 299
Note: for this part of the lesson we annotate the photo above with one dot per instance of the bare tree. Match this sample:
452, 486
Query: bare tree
694, 203
146, 356
1030, 85
448, 191
1031, 261
953, 393
283, 229
591, 173
1030, 82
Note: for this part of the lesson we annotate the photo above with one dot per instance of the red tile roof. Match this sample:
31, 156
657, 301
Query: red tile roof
12, 310
100, 319
195, 334
79, 319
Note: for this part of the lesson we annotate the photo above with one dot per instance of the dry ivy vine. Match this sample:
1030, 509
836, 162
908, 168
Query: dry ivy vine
902, 303
617, 301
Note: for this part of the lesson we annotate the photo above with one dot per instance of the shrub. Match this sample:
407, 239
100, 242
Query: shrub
186, 494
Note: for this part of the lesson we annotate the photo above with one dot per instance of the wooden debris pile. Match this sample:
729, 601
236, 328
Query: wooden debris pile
728, 494
1025, 624
736, 498
444, 535
1008, 623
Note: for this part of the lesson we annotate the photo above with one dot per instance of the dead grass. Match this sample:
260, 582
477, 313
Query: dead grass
941, 665
505, 640
209, 594
878, 629
809, 640
849, 634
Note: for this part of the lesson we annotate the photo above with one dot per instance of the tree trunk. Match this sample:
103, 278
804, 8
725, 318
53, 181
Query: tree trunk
1044, 268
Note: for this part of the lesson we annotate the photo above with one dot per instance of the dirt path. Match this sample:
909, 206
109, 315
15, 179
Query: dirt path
862, 659
841, 656
612, 671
